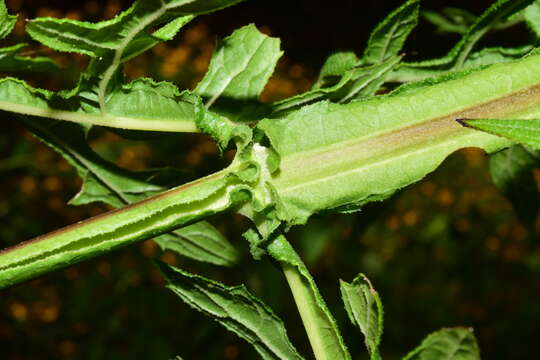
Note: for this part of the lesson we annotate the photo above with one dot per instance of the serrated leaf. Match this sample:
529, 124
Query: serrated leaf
365, 310
118, 34
112, 42
105, 182
236, 309
389, 36
511, 171
7, 22
524, 131
318, 320
497, 13
240, 67
447, 344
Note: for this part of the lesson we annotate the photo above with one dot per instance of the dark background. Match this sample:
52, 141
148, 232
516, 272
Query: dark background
447, 251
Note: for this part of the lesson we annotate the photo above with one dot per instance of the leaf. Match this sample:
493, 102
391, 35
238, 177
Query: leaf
524, 131
499, 12
236, 309
7, 22
388, 37
318, 320
120, 33
335, 66
366, 82
496, 55
511, 171
340, 157
11, 61
105, 182
112, 42
144, 41
450, 20
344, 77
447, 344
240, 67
200, 241
356, 83
224, 130
365, 310
532, 17
128, 107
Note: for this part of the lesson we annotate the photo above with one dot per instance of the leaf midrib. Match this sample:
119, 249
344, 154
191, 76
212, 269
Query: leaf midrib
298, 168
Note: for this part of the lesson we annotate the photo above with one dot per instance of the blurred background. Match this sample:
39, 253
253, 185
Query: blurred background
447, 251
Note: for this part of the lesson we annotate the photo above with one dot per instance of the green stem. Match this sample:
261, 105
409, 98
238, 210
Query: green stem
143, 220
304, 302
321, 328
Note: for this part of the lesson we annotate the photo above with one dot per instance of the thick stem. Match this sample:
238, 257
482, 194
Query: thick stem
143, 220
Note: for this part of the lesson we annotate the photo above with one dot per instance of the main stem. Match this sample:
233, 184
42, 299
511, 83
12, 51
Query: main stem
140, 221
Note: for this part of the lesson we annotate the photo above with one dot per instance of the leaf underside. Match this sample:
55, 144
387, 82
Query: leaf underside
236, 309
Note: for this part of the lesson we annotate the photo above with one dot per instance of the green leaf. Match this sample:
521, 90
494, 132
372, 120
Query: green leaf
145, 41
11, 61
240, 67
200, 241
344, 77
118, 34
326, 341
339, 157
236, 309
447, 344
524, 131
388, 37
497, 13
224, 130
7, 22
356, 83
127, 107
496, 55
365, 310
105, 182
366, 81
511, 171
335, 66
532, 17
449, 20
112, 42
